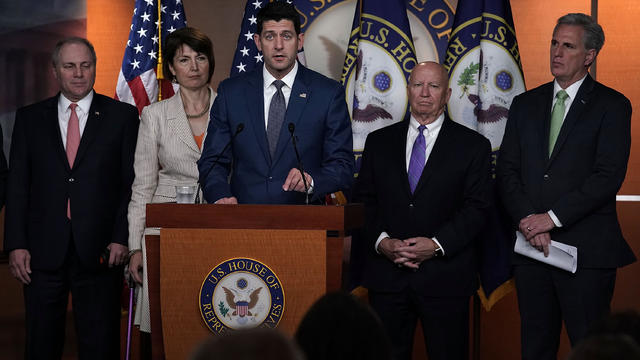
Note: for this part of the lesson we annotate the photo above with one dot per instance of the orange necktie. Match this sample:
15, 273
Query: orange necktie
73, 140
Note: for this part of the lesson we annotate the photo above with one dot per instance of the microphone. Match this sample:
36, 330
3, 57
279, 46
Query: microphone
239, 129
292, 129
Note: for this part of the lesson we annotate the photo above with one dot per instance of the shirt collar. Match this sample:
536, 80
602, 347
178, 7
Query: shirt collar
288, 79
414, 124
572, 90
84, 104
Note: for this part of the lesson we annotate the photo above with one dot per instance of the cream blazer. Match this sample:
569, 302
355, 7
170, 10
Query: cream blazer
166, 156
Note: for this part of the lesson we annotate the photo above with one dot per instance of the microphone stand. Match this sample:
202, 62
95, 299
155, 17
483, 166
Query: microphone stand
292, 129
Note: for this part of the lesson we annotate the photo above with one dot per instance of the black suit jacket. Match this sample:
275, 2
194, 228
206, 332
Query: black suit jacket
580, 180
99, 184
449, 203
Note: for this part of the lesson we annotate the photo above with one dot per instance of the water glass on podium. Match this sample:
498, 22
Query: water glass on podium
185, 194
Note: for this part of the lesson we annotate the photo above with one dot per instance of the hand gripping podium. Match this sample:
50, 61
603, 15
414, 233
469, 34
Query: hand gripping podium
302, 245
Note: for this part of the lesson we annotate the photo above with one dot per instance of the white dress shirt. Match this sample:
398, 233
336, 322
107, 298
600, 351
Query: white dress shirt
430, 135
64, 112
270, 89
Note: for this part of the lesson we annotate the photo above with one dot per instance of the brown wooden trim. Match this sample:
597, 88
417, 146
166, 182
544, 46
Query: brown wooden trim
294, 217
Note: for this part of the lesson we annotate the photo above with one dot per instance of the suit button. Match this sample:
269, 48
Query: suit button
546, 176
72, 179
411, 206
270, 177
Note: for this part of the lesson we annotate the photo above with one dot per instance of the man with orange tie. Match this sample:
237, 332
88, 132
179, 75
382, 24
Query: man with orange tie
71, 169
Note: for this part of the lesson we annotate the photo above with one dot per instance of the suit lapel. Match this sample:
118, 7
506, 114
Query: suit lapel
178, 122
543, 127
51, 116
575, 111
91, 129
400, 156
297, 102
255, 104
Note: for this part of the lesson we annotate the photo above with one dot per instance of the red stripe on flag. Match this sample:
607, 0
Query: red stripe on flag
139, 93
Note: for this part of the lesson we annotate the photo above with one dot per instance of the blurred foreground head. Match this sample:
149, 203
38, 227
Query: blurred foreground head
341, 326
254, 344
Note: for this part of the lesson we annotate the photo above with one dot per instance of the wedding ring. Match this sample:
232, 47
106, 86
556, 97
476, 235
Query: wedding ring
528, 228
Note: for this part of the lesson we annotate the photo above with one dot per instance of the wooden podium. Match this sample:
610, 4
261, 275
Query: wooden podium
302, 245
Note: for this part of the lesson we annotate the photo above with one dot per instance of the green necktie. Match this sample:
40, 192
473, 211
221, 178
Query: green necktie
557, 116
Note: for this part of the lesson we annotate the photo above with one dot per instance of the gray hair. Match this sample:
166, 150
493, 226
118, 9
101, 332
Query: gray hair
55, 56
593, 33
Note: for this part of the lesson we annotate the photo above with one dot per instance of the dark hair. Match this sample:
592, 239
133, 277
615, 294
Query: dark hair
195, 39
55, 56
276, 11
624, 322
258, 343
593, 33
341, 326
605, 347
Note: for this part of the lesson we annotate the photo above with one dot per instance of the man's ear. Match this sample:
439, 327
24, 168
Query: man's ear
590, 57
256, 39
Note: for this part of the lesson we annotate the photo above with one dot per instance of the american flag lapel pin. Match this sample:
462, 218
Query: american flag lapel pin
303, 95
97, 113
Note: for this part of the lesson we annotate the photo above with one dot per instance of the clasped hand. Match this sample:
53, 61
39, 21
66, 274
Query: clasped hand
536, 229
410, 252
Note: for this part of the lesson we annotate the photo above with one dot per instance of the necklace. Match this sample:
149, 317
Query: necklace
204, 111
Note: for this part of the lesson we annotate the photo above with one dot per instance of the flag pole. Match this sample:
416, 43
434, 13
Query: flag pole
159, 73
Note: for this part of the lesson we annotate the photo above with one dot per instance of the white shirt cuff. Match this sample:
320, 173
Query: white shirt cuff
554, 218
380, 238
310, 189
438, 243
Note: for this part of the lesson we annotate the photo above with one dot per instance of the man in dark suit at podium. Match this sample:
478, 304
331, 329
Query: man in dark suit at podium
266, 105
425, 186
563, 159
68, 191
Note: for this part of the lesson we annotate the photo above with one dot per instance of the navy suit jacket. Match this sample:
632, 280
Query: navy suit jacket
319, 113
450, 203
580, 180
98, 185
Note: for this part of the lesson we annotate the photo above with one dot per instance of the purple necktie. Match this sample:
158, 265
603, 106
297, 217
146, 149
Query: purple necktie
416, 163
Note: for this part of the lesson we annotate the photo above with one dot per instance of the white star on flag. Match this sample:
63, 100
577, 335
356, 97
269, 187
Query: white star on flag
145, 16
175, 15
241, 67
258, 58
249, 35
142, 32
152, 55
138, 48
136, 64
257, 4
253, 20
245, 51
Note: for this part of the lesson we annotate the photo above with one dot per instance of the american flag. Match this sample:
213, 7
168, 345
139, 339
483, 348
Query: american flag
247, 55
137, 82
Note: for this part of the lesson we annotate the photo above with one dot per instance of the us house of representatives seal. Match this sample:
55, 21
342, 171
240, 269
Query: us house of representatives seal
241, 293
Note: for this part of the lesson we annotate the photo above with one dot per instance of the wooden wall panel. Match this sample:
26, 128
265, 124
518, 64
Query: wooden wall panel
618, 68
108, 23
534, 21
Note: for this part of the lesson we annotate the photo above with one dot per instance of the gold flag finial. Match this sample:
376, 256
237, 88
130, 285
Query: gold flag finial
159, 73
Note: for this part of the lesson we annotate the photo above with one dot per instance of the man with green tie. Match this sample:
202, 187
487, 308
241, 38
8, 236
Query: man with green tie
563, 159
